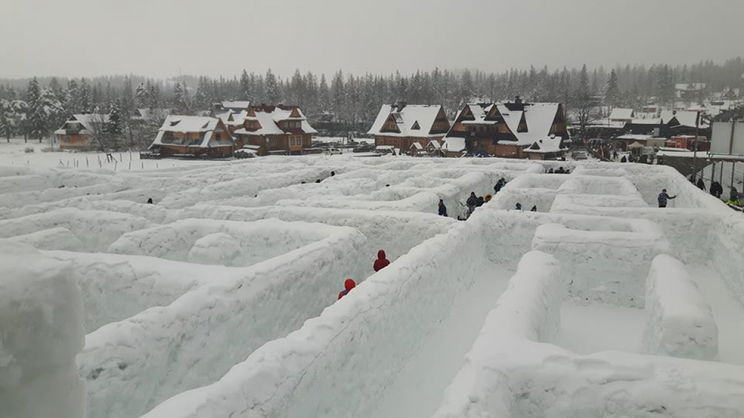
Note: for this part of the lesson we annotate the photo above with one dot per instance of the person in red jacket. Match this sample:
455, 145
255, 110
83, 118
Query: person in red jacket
381, 261
348, 285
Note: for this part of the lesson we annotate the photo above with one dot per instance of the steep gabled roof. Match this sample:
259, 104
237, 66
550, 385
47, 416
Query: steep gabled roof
539, 118
684, 118
269, 117
87, 121
546, 145
204, 125
406, 117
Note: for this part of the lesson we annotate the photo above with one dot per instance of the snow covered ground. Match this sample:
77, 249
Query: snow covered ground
221, 298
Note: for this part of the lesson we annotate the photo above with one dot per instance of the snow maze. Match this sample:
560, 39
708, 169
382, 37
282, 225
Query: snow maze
220, 299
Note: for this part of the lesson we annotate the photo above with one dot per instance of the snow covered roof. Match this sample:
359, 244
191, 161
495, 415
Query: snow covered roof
417, 146
546, 145
270, 116
619, 113
646, 121
412, 120
231, 117
685, 118
454, 144
539, 118
87, 123
205, 125
434, 143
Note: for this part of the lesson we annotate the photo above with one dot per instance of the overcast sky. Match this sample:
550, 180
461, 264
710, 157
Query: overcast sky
167, 37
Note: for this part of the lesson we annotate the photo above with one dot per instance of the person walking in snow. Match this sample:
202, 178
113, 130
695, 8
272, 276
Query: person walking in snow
149, 200
442, 208
518, 206
622, 160
349, 284
664, 197
381, 261
472, 202
700, 184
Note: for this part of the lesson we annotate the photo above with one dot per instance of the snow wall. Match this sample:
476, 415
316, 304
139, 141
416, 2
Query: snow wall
40, 333
528, 310
338, 363
133, 365
679, 321
115, 287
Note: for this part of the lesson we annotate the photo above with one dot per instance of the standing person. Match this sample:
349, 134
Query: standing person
664, 197
348, 285
149, 200
472, 202
499, 185
381, 261
716, 189
481, 201
518, 206
700, 184
622, 160
442, 208
734, 194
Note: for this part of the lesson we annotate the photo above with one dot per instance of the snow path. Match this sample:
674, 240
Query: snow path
599, 327
727, 311
417, 390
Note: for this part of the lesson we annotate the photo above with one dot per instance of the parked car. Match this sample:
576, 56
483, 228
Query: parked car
333, 151
244, 153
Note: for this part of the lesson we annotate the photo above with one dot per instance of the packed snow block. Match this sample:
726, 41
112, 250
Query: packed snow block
228, 243
51, 239
508, 198
96, 230
242, 186
727, 241
595, 204
528, 310
602, 266
394, 232
40, 334
132, 365
606, 171
599, 185
22, 198
538, 181
679, 320
115, 287
338, 364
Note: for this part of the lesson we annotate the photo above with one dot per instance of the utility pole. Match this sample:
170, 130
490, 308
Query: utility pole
697, 132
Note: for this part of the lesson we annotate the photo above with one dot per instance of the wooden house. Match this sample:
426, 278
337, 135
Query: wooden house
193, 136
402, 125
80, 130
683, 122
506, 129
276, 130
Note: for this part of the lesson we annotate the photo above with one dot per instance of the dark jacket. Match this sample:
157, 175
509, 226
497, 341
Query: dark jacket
442, 209
472, 201
381, 261
663, 197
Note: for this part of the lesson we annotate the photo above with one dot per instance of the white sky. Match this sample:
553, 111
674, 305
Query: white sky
167, 37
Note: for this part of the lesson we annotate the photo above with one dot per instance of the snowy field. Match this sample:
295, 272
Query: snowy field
220, 299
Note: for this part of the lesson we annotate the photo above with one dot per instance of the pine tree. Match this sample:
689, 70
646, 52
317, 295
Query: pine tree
245, 86
324, 95
582, 101
35, 115
180, 103
612, 93
142, 96
272, 88
84, 99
